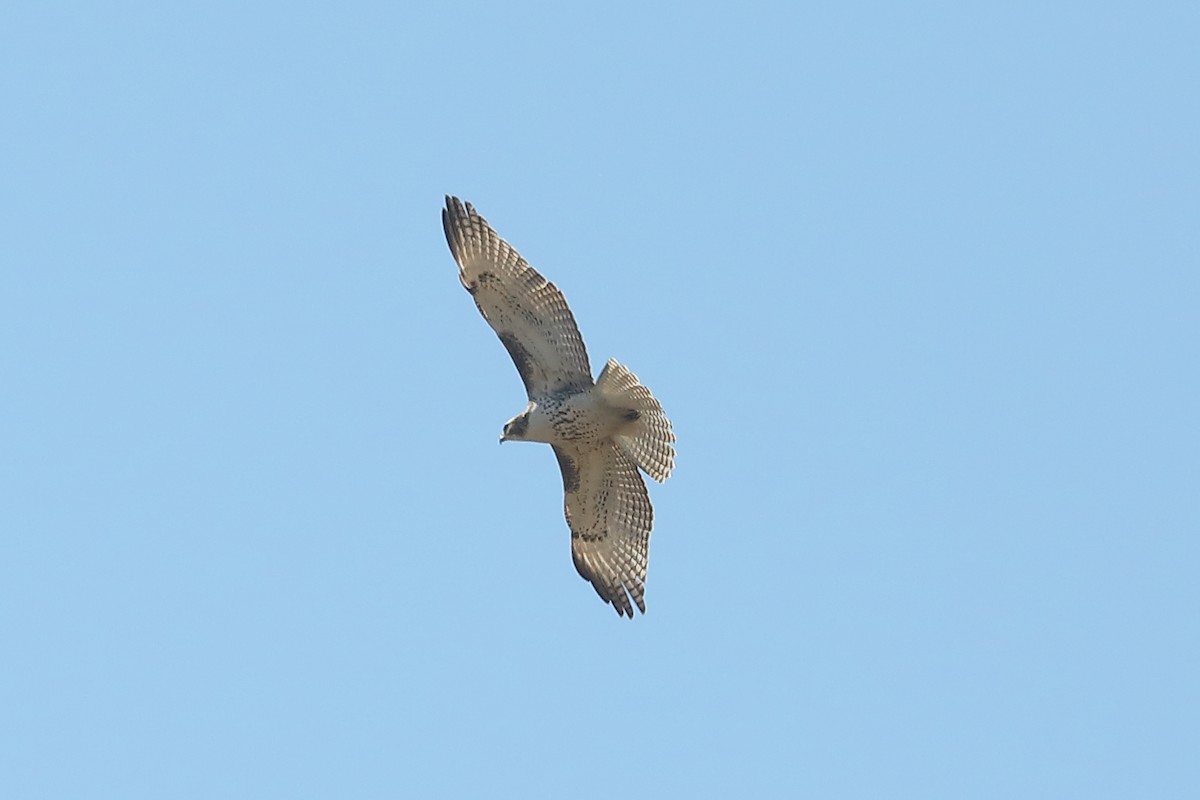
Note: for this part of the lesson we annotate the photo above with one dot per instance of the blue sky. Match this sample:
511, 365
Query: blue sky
917, 283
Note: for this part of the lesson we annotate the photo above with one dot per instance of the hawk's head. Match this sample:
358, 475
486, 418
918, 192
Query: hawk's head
516, 428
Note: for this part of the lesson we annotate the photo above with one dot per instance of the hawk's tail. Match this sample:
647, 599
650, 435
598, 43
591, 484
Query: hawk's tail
647, 438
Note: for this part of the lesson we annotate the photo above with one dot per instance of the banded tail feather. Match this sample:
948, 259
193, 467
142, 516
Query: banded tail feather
647, 438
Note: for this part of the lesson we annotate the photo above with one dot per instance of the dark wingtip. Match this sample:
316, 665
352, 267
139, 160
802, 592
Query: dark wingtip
459, 208
452, 214
447, 223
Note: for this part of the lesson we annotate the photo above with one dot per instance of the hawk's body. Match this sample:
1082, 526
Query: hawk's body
602, 431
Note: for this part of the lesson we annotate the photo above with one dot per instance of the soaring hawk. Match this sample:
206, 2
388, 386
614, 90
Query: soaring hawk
601, 431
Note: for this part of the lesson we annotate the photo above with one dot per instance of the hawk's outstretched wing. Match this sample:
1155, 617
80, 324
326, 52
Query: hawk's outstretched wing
610, 517
528, 313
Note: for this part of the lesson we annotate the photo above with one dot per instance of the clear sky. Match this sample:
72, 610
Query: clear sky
918, 284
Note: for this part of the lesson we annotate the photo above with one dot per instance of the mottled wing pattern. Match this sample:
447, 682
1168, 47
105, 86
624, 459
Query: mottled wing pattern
610, 518
528, 313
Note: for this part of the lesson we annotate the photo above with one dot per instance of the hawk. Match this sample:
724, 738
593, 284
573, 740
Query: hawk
602, 431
